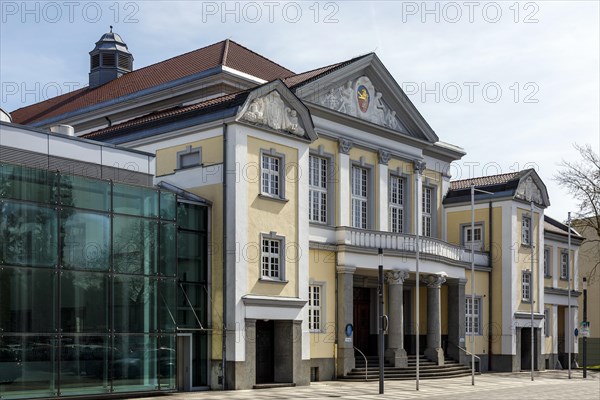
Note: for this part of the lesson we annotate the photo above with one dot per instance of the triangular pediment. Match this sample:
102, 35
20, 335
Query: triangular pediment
364, 89
275, 107
360, 98
531, 188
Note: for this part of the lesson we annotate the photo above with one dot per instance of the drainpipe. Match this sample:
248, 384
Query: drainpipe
224, 257
490, 288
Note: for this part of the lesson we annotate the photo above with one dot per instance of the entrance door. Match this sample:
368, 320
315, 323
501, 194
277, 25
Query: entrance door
526, 349
184, 363
265, 360
362, 319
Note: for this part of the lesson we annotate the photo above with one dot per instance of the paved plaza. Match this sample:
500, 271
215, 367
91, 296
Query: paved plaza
546, 385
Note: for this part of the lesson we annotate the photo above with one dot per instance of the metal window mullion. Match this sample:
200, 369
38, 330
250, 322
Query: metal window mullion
191, 306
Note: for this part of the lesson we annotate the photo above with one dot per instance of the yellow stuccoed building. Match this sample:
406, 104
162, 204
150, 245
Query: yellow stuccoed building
306, 177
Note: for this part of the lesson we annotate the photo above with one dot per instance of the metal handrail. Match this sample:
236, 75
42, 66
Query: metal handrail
469, 353
366, 363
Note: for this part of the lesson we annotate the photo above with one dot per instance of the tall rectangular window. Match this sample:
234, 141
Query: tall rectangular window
426, 210
271, 259
271, 175
526, 231
396, 206
564, 265
547, 271
315, 296
317, 193
526, 286
472, 315
359, 197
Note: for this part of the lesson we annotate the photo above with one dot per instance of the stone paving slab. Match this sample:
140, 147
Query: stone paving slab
504, 386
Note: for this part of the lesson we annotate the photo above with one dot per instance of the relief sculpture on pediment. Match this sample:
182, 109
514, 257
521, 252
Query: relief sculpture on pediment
359, 98
272, 111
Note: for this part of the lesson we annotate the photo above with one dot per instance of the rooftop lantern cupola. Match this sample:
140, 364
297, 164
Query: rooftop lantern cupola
109, 60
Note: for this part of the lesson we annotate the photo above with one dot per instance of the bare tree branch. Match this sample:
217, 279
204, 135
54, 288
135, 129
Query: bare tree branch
581, 179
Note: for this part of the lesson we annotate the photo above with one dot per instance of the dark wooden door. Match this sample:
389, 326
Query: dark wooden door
362, 319
265, 360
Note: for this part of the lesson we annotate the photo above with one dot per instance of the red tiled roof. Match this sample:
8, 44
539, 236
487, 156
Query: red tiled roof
163, 114
305, 77
227, 53
486, 180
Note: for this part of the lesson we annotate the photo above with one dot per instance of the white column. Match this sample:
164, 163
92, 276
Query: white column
384, 158
344, 183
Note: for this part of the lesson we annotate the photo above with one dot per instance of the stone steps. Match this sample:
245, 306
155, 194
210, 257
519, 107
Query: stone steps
427, 370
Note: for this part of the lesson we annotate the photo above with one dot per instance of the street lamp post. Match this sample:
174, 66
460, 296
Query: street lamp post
473, 190
586, 326
380, 339
569, 319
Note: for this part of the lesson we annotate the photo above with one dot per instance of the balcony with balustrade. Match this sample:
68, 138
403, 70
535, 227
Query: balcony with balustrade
358, 246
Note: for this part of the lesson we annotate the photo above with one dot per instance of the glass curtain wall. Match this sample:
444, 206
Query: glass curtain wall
88, 285
192, 299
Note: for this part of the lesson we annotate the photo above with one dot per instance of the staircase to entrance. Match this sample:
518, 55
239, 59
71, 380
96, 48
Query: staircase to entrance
427, 369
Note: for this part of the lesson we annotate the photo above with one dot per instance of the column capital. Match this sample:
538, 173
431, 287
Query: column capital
433, 281
345, 145
396, 276
384, 157
419, 166
344, 269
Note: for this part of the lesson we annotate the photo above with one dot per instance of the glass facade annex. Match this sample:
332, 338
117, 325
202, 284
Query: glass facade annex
90, 288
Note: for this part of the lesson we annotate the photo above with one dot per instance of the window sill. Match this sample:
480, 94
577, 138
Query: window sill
188, 167
547, 276
526, 245
317, 331
317, 223
269, 197
271, 280
526, 301
563, 278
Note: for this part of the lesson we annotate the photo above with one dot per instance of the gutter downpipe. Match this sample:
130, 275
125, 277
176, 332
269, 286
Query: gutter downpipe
224, 257
490, 288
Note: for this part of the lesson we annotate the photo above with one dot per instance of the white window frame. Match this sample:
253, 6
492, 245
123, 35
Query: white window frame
526, 286
427, 199
396, 194
272, 177
360, 197
564, 265
272, 257
547, 269
469, 314
318, 188
526, 230
189, 151
477, 244
316, 308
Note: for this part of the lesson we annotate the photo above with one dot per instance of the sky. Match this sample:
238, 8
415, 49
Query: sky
515, 84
